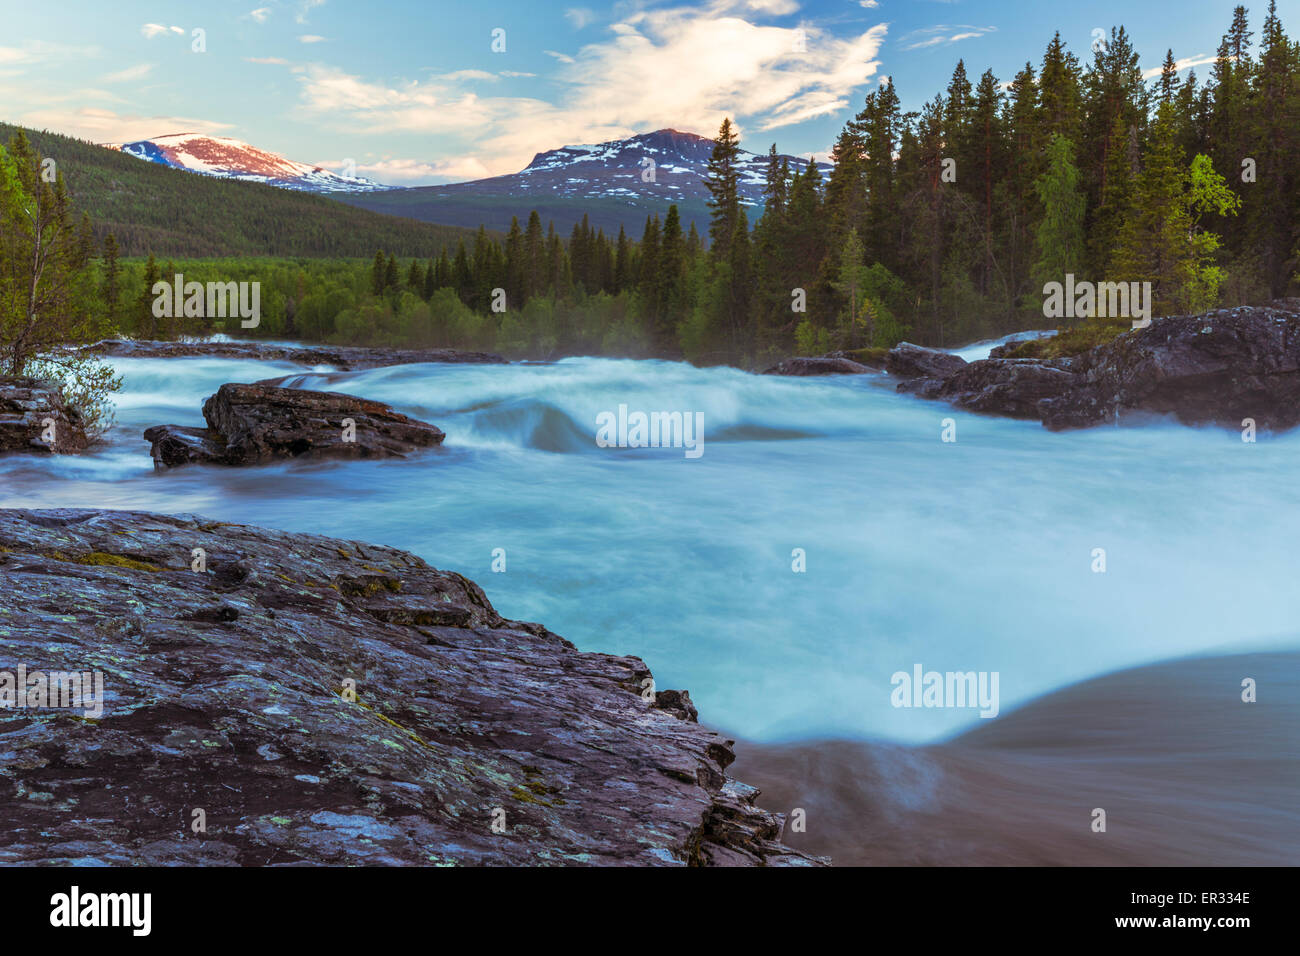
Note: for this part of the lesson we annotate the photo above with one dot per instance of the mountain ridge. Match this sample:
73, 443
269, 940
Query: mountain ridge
614, 184
610, 183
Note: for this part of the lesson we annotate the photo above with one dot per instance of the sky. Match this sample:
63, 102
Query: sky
417, 92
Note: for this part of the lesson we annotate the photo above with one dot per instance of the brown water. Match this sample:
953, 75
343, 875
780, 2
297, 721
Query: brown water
1187, 773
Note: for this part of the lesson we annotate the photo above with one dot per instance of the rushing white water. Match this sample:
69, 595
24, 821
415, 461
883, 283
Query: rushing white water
974, 555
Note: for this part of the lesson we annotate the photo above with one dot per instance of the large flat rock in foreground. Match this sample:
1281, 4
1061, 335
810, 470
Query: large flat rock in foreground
229, 690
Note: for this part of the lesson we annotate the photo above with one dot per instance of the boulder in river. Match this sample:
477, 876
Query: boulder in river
1220, 367
34, 417
324, 701
251, 424
906, 360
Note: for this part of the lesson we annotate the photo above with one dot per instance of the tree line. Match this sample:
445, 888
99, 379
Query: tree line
941, 225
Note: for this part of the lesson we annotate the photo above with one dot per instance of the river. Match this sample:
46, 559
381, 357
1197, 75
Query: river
977, 554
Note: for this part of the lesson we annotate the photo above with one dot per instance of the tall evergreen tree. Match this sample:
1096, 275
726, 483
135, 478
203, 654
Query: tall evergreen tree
722, 182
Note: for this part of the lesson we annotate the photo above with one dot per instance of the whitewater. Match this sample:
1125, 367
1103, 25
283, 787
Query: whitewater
973, 555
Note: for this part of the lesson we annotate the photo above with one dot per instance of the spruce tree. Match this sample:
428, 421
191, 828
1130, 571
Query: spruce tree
722, 182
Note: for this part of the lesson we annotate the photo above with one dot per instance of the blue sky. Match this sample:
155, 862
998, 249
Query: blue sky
414, 93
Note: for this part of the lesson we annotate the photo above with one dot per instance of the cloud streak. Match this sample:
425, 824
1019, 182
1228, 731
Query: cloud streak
942, 35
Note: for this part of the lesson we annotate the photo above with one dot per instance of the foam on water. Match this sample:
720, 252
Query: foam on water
975, 555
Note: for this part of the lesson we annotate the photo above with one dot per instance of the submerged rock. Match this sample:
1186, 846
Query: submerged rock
309, 700
1220, 367
250, 424
34, 417
344, 358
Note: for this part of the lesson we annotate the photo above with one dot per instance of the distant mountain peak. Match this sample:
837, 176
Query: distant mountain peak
680, 160
230, 158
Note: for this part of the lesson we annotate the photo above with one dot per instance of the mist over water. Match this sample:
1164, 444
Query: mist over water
1184, 771
975, 555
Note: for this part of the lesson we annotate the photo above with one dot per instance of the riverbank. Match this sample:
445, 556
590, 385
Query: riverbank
326, 701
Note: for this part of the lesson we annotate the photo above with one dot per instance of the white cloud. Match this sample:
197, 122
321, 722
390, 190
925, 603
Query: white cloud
39, 51
275, 60
415, 171
130, 73
773, 8
466, 75
579, 16
456, 76
869, 4
1179, 65
106, 126
305, 7
943, 35
260, 14
311, 38
681, 67
151, 30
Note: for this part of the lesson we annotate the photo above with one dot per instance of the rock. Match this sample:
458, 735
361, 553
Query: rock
1004, 350
1012, 387
176, 445
250, 424
28, 407
1218, 367
906, 360
678, 703
823, 365
280, 691
344, 358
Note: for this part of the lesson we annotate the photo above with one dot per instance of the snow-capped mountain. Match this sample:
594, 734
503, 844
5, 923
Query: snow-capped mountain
665, 163
613, 184
231, 158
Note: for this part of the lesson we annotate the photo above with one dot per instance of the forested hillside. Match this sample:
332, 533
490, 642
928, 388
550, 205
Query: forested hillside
150, 208
941, 226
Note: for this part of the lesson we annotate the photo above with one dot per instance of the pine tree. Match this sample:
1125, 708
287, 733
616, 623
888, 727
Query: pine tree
648, 282
1060, 237
1169, 83
1272, 202
722, 182
1060, 91
430, 279
534, 262
672, 278
415, 277
1162, 241
776, 182
112, 288
146, 323
622, 262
